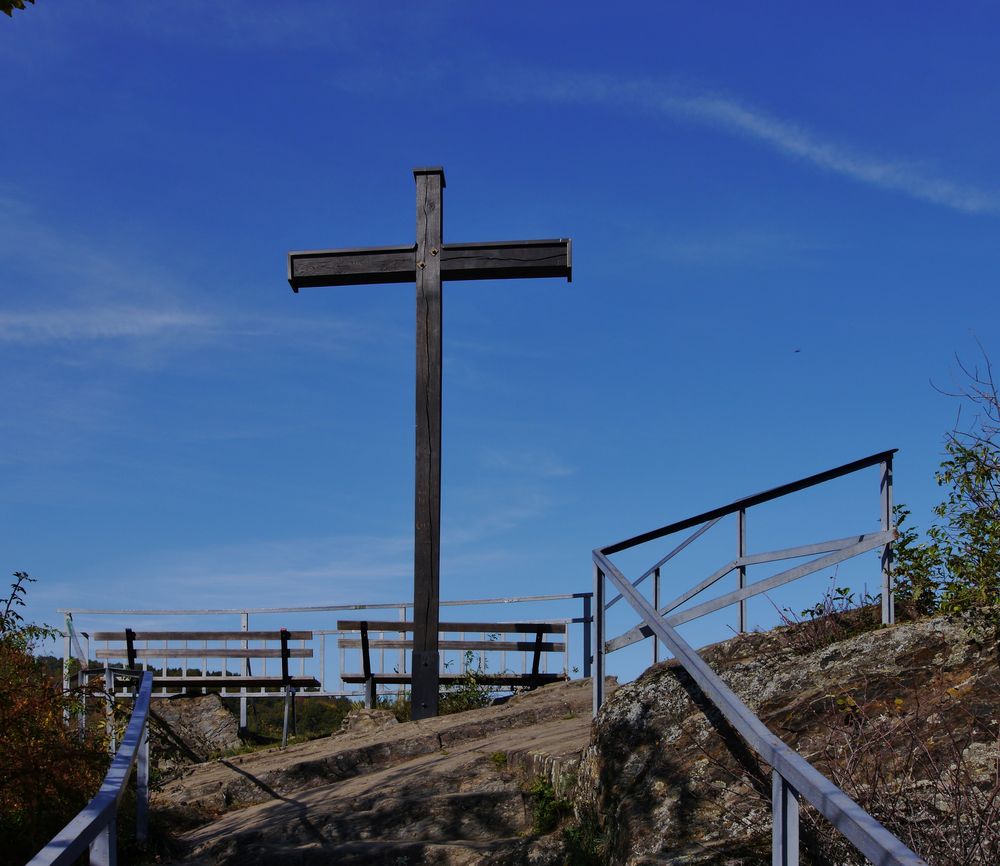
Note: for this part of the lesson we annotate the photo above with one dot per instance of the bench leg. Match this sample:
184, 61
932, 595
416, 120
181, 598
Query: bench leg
284, 727
370, 696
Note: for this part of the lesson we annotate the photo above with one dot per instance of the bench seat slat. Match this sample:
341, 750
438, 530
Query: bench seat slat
198, 652
450, 679
201, 635
484, 645
447, 627
234, 681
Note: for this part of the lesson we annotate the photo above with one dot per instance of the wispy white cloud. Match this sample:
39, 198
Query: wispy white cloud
338, 569
77, 282
46, 326
532, 463
112, 324
744, 247
736, 117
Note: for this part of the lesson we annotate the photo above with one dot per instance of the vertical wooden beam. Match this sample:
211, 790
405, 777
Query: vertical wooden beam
427, 500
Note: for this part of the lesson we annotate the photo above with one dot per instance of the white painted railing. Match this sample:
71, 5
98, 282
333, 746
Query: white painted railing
96, 824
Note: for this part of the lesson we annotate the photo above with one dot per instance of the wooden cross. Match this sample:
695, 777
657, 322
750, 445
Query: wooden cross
428, 263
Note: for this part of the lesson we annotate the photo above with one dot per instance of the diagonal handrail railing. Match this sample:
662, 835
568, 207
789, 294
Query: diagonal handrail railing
792, 775
837, 550
95, 825
861, 544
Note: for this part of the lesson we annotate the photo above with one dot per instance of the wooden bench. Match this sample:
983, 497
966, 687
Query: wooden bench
536, 646
136, 656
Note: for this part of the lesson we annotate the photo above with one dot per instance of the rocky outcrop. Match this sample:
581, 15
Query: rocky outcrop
450, 790
192, 728
903, 718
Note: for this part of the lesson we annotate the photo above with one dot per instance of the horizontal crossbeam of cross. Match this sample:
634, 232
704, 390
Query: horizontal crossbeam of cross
491, 260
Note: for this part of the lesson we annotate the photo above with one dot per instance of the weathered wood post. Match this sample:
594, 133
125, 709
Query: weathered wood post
428, 263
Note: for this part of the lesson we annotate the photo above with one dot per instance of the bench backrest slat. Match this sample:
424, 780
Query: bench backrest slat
197, 652
201, 635
482, 645
447, 627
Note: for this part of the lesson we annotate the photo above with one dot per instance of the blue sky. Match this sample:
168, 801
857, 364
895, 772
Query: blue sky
784, 227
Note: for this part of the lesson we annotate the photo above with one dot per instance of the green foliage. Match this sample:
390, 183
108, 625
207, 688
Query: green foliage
13, 629
839, 614
917, 565
48, 771
470, 693
314, 717
585, 843
839, 599
8, 6
548, 809
957, 569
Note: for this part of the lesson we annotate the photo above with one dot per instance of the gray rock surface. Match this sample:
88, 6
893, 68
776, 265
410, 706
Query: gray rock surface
666, 782
449, 790
193, 727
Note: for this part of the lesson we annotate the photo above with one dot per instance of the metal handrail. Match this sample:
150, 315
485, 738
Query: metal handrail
314, 608
95, 825
836, 550
793, 776
750, 501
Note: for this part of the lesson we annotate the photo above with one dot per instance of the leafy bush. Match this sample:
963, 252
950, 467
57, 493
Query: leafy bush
548, 808
469, 693
48, 771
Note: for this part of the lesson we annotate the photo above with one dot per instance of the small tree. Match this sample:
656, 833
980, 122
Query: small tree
47, 771
958, 568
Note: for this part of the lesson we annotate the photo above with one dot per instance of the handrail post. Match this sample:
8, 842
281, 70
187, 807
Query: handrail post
885, 488
142, 788
109, 723
597, 676
656, 606
104, 849
741, 551
785, 823
83, 680
244, 626
587, 625
66, 663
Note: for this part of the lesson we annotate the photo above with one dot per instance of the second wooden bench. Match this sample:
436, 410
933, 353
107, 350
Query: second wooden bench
532, 639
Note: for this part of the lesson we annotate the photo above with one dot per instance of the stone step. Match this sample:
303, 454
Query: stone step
500, 851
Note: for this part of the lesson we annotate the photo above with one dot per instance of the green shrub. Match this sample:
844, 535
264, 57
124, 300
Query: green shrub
48, 770
548, 809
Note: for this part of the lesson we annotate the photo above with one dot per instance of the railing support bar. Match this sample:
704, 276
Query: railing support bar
656, 605
104, 850
66, 663
888, 599
587, 645
785, 831
741, 551
142, 790
597, 676
244, 626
